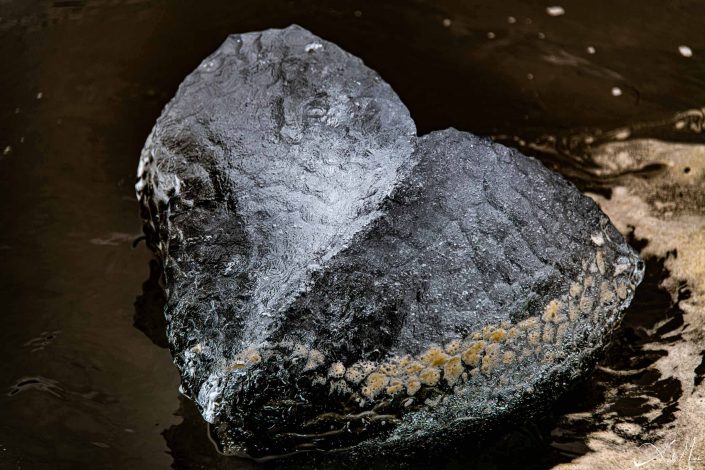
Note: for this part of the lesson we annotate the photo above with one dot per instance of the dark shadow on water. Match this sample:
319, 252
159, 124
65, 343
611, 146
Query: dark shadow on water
149, 307
191, 447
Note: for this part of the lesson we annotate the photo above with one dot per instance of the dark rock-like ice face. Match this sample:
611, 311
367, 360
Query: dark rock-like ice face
334, 281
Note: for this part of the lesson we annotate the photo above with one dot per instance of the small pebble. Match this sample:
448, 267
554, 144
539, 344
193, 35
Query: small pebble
616, 91
446, 22
685, 51
556, 10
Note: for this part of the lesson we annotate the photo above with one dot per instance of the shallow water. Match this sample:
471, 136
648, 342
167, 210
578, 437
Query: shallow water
86, 379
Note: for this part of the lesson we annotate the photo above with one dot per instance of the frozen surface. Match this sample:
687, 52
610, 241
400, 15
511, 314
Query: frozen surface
334, 281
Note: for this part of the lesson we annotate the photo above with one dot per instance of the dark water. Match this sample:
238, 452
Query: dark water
86, 380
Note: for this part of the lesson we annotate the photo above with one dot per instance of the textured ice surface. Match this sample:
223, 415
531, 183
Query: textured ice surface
334, 281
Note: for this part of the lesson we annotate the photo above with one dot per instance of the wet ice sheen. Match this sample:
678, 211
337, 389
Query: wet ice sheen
430, 278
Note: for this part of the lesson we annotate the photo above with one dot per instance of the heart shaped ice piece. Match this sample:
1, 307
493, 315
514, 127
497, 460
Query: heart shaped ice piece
334, 281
